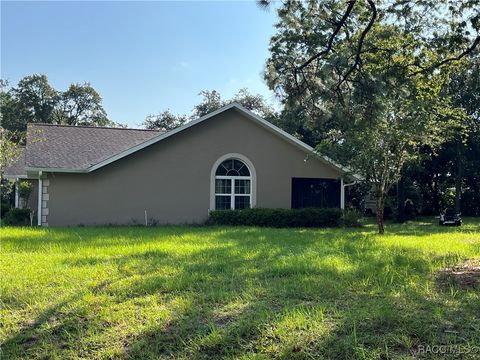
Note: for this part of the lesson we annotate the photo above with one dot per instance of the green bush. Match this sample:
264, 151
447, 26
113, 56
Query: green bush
17, 217
280, 218
351, 218
4, 209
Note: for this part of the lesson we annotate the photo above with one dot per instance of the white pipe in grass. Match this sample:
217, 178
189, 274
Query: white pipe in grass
146, 218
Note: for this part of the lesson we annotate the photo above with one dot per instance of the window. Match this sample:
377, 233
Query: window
233, 185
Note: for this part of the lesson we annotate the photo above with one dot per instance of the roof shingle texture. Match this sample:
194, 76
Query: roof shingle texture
78, 147
17, 168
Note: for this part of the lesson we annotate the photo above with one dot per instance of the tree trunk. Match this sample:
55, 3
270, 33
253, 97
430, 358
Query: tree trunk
458, 179
435, 195
379, 204
401, 200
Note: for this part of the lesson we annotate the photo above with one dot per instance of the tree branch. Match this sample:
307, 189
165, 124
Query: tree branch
361, 40
329, 46
458, 57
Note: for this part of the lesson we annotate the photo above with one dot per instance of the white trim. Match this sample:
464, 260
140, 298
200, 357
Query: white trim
17, 177
252, 178
60, 170
39, 205
252, 116
236, 177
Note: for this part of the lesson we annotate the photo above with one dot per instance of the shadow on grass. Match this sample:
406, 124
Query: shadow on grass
325, 293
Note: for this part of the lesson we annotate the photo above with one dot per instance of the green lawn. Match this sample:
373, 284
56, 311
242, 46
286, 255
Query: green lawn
219, 292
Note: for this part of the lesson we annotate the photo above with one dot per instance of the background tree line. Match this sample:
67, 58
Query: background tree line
34, 100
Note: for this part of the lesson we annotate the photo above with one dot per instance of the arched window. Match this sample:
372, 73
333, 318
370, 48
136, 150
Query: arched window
233, 185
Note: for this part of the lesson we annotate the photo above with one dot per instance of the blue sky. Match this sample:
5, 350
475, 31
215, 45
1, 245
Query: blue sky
142, 57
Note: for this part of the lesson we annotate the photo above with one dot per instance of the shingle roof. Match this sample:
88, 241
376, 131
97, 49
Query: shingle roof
17, 169
78, 147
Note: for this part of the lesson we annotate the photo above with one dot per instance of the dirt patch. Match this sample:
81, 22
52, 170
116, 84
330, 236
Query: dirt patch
466, 274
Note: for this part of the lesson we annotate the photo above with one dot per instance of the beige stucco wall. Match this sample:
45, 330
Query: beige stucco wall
171, 179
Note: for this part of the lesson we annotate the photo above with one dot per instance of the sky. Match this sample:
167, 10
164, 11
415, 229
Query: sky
142, 57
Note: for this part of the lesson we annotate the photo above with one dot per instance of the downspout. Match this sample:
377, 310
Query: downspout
17, 205
40, 189
342, 192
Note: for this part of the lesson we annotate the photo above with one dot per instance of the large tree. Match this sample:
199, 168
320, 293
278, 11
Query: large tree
81, 104
34, 100
371, 76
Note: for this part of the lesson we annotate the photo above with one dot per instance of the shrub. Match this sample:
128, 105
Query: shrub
351, 218
309, 217
17, 217
4, 209
25, 190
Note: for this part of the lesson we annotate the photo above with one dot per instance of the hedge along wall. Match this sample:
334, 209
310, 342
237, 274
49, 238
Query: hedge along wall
309, 217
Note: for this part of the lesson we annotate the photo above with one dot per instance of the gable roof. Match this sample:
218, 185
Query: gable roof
85, 154
77, 148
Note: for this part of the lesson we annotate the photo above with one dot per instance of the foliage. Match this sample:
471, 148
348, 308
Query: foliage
286, 218
17, 217
436, 173
9, 150
4, 208
372, 78
234, 293
166, 120
25, 190
34, 100
81, 104
211, 101
350, 218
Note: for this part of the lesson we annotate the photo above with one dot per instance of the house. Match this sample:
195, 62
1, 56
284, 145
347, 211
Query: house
228, 159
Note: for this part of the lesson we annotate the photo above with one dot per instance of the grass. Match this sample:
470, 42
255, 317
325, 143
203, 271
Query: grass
225, 292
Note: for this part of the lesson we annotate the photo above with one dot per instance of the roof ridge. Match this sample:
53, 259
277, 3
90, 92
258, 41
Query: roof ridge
94, 127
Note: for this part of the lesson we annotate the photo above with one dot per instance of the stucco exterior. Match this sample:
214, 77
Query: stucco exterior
171, 179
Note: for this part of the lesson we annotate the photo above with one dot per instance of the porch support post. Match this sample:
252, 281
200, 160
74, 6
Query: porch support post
40, 190
342, 194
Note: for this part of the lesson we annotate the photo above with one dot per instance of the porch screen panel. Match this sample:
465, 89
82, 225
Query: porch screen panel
315, 192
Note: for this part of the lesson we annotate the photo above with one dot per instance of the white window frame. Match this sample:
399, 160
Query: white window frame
252, 178
232, 193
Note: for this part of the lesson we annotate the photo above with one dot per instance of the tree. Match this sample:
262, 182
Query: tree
166, 120
81, 104
9, 150
37, 97
255, 103
34, 100
371, 77
456, 164
211, 101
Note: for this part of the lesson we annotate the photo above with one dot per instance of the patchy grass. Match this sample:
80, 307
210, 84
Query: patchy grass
224, 292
